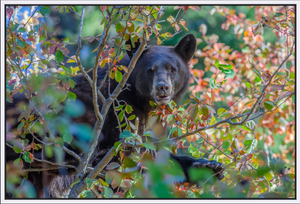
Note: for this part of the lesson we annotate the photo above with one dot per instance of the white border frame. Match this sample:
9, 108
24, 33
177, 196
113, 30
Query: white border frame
139, 2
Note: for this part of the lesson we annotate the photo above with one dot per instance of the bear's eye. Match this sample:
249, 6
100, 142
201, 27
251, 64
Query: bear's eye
149, 71
172, 70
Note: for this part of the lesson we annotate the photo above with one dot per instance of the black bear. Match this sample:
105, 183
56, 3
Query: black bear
161, 74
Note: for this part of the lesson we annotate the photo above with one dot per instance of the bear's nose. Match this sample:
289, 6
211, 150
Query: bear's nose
163, 86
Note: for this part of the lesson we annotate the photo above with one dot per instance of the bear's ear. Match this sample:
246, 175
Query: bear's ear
132, 49
186, 47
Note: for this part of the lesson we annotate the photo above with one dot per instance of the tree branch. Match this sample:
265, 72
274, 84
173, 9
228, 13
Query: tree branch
79, 187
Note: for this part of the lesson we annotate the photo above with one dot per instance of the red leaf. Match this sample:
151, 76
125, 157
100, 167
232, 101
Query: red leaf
103, 8
9, 12
185, 8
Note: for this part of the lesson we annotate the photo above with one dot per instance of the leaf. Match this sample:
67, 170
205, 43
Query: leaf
212, 83
130, 27
119, 28
228, 73
269, 105
269, 175
256, 28
225, 144
125, 134
28, 157
21, 30
128, 109
246, 128
148, 134
74, 108
221, 110
152, 103
118, 76
17, 149
21, 125
131, 117
21, 43
108, 192
112, 165
59, 57
118, 108
217, 63
18, 161
121, 115
150, 145
71, 95
45, 10
158, 27
278, 14
68, 137
117, 146
248, 85
9, 12
249, 148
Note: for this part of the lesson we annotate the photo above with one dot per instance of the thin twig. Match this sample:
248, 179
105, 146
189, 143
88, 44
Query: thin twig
48, 162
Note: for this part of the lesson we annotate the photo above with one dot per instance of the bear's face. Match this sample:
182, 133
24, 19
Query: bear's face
162, 73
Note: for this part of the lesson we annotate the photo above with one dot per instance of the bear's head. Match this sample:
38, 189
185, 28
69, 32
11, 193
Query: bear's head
161, 74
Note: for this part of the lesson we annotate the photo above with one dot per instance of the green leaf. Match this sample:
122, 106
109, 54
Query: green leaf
225, 144
217, 63
158, 27
87, 194
228, 73
68, 137
74, 108
21, 125
18, 161
21, 43
250, 145
202, 174
21, 30
121, 115
258, 74
226, 66
131, 117
150, 145
59, 57
152, 103
26, 157
45, 10
212, 83
246, 128
148, 134
278, 14
108, 193
119, 107
118, 76
130, 28
17, 149
125, 134
119, 28
205, 110
221, 110
71, 95
128, 109
269, 105
269, 175
248, 85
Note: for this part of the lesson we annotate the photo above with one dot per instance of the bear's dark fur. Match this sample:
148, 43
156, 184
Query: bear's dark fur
161, 74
